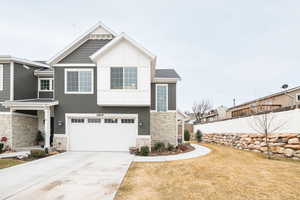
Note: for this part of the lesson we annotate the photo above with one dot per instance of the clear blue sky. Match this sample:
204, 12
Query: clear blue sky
223, 49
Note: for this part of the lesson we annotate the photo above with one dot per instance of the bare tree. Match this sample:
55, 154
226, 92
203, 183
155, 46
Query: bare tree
200, 108
265, 124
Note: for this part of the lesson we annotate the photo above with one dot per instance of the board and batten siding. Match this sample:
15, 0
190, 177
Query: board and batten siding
82, 53
87, 103
171, 96
5, 92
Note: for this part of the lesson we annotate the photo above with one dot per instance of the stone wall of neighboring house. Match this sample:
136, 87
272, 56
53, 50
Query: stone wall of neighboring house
163, 127
60, 142
5, 128
24, 130
283, 145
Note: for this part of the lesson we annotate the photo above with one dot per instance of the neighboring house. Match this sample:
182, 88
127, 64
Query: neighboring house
101, 93
214, 115
287, 98
182, 119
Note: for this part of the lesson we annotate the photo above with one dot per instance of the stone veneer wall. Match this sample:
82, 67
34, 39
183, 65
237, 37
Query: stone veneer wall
163, 127
143, 141
283, 145
5, 128
24, 130
60, 142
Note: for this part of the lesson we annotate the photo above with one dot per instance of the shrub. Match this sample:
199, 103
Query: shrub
170, 147
159, 146
199, 136
38, 153
187, 135
39, 137
144, 151
1, 147
183, 147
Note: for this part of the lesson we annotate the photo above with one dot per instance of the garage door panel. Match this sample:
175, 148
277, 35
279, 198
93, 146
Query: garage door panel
93, 135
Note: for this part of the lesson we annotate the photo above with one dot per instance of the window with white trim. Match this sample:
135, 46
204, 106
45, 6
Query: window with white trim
79, 81
127, 121
123, 77
45, 84
111, 121
94, 120
162, 98
77, 121
1, 77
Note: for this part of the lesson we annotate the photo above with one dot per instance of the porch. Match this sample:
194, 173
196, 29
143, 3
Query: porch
40, 110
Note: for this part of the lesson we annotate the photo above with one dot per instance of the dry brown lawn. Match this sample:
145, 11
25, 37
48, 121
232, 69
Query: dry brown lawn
225, 173
4, 163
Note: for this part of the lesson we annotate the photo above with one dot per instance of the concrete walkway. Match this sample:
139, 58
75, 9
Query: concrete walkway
199, 151
71, 175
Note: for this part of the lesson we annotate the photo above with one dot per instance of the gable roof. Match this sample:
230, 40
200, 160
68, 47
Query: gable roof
166, 73
79, 41
118, 39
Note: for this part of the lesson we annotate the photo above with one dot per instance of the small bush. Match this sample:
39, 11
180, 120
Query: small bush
170, 147
183, 147
159, 146
187, 135
37, 153
39, 137
1, 147
199, 136
144, 151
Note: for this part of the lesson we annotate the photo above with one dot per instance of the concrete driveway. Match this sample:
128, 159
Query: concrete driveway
71, 175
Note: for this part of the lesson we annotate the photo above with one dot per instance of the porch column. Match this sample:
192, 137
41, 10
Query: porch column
47, 127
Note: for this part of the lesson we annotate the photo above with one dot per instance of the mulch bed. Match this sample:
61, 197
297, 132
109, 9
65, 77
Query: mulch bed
177, 150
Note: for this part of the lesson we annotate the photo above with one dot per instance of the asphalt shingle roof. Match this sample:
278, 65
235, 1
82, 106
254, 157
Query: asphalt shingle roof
166, 73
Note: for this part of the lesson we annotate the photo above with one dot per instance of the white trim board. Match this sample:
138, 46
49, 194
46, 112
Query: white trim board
75, 65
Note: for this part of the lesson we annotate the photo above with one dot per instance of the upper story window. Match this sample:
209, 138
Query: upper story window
162, 97
1, 77
45, 84
123, 77
79, 81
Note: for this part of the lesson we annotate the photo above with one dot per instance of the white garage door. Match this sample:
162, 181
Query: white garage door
102, 134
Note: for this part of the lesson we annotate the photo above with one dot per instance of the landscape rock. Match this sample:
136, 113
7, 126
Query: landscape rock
289, 152
294, 141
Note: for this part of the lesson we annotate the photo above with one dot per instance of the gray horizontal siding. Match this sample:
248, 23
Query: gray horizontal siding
82, 53
5, 93
87, 103
171, 96
25, 83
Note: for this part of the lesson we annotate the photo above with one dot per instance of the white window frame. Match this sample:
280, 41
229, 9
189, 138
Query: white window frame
50, 84
156, 96
79, 70
1, 77
124, 89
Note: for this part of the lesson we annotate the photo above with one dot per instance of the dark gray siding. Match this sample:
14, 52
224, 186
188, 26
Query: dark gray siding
87, 103
153, 96
48, 95
5, 93
25, 83
171, 96
82, 53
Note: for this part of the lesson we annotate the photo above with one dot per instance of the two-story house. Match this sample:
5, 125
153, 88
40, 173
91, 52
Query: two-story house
101, 93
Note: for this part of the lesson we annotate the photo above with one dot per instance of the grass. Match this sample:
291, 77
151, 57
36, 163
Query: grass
4, 163
224, 174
